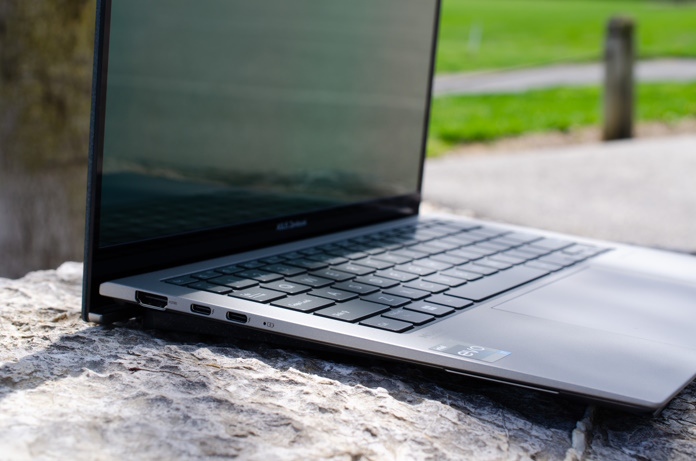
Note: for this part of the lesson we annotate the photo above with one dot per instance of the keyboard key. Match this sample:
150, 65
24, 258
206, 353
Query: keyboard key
518, 254
307, 264
303, 303
333, 294
442, 279
261, 276
444, 245
286, 287
414, 269
389, 300
205, 286
484, 250
431, 309
354, 287
183, 280
392, 258
425, 250
377, 281
272, 260
310, 251
333, 275
374, 263
490, 263
328, 259
406, 292
384, 323
310, 280
499, 283
285, 270
536, 264
354, 269
450, 301
450, 259
251, 264
416, 318
234, 282
372, 250
533, 251
410, 253
205, 275
584, 251
559, 259
476, 269
396, 275
293, 255
505, 258
463, 253
352, 311
504, 241
551, 244
522, 237
494, 246
432, 264
426, 286
490, 231
346, 253
468, 276
229, 270
260, 295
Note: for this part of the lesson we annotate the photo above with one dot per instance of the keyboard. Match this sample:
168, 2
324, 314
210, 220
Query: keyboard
396, 280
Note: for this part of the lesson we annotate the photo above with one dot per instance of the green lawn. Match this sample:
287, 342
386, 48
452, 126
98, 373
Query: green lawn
532, 32
460, 119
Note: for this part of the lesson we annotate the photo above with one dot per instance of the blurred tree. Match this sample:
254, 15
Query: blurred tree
45, 81
46, 51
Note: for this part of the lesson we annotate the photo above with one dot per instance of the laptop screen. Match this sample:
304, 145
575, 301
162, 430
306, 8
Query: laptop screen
225, 112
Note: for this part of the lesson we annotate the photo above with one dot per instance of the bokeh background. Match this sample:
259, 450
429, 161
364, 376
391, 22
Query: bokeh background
46, 51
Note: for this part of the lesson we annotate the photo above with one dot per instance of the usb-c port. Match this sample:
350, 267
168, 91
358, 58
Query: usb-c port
237, 318
203, 310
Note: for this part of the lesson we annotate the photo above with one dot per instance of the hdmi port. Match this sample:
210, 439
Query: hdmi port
150, 300
238, 318
204, 310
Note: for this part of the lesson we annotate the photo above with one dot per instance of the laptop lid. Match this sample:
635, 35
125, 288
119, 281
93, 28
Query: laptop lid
224, 126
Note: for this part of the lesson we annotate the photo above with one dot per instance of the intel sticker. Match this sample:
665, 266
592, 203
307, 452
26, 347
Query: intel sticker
471, 351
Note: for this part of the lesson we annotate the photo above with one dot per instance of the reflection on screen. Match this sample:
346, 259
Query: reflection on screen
222, 112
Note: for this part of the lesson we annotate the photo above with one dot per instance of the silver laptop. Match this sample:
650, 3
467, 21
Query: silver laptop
256, 167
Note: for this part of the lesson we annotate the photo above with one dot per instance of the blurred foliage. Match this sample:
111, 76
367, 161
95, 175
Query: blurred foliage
45, 82
494, 34
471, 118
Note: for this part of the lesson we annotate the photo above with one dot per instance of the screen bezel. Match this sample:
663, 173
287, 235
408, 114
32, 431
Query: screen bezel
103, 264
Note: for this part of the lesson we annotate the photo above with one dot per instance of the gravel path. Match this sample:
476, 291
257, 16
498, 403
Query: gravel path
636, 191
514, 81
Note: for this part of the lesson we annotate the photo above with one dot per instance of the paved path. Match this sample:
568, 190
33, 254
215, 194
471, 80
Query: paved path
513, 81
638, 191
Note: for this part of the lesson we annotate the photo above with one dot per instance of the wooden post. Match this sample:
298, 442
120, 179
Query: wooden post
618, 79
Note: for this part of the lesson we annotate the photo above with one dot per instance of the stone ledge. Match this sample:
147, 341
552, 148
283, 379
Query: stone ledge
71, 390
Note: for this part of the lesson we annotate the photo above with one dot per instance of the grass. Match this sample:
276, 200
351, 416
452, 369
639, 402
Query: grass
461, 119
534, 32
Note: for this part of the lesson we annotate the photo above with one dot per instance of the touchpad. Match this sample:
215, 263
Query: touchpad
628, 304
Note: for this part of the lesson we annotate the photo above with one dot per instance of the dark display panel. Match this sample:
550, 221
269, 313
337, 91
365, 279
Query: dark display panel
227, 112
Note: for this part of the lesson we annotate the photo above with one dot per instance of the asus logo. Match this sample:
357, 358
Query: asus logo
287, 225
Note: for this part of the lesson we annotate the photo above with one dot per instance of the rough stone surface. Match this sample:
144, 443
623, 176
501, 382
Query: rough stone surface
71, 390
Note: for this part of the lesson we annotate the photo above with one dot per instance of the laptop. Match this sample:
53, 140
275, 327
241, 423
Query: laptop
255, 169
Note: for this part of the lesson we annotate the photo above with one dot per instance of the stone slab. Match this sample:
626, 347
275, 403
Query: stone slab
72, 390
